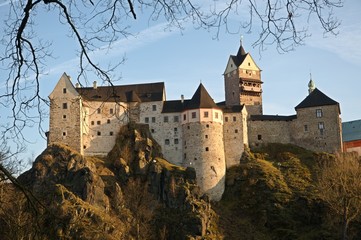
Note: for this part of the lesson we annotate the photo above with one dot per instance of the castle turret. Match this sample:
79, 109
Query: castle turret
65, 115
242, 80
203, 148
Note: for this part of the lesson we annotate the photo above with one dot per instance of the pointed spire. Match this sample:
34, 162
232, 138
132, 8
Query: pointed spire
201, 99
311, 85
241, 51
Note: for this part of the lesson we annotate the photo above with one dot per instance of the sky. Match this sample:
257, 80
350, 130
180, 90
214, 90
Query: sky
183, 59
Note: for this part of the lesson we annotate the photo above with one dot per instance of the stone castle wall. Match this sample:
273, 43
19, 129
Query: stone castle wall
235, 137
101, 123
231, 87
318, 132
261, 132
203, 149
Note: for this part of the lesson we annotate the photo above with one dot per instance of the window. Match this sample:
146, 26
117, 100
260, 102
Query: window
64, 90
146, 120
206, 136
184, 117
226, 119
65, 105
207, 149
319, 113
111, 133
153, 119
152, 130
99, 133
236, 131
207, 126
98, 122
321, 125
111, 111
188, 127
175, 130
249, 64
259, 137
108, 121
305, 127
99, 110
205, 114
92, 123
64, 134
175, 119
194, 114
176, 141
165, 119
166, 142
154, 107
64, 116
234, 119
216, 115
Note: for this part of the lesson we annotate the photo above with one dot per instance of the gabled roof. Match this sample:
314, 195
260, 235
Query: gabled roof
146, 92
351, 131
316, 98
201, 99
272, 118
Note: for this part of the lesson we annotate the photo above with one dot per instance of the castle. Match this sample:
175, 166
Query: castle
194, 132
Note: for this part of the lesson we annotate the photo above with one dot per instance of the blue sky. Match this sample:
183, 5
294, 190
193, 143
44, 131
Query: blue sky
183, 59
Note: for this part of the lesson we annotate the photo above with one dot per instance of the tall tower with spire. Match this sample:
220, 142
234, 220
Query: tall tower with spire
242, 81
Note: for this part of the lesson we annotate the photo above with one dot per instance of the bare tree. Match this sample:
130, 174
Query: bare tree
340, 187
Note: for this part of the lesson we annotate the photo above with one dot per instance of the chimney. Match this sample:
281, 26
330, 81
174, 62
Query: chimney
182, 98
95, 85
77, 85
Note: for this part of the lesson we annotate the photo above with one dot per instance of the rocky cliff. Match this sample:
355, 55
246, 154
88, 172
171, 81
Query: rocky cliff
131, 194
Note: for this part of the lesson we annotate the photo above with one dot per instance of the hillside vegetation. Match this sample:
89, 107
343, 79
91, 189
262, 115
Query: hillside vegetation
133, 193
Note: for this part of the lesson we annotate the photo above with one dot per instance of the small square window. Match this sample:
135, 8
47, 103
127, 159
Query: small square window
108, 121
321, 125
64, 116
99, 133
184, 117
111, 111
226, 119
207, 126
176, 141
165, 119
236, 131
65, 105
154, 107
146, 120
216, 115
64, 90
92, 122
99, 110
234, 119
205, 114
166, 142
111, 133
194, 114
305, 127
152, 130
207, 149
175, 130
153, 119
176, 119
259, 137
64, 134
206, 136
98, 122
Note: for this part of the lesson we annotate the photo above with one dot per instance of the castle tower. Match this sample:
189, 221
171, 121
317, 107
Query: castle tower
242, 81
203, 147
65, 115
